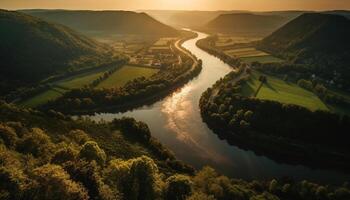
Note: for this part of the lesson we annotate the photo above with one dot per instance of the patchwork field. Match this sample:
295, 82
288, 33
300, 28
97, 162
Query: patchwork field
43, 98
125, 74
225, 40
81, 80
250, 55
245, 52
159, 48
60, 87
261, 59
163, 41
278, 90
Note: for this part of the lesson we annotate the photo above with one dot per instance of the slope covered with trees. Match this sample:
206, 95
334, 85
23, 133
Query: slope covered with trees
318, 41
109, 22
32, 49
50, 156
245, 23
285, 132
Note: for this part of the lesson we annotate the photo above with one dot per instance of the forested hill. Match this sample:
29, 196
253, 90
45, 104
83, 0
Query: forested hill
32, 49
246, 22
114, 22
311, 33
320, 40
50, 156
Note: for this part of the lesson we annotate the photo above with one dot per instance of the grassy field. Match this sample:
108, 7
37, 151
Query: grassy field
163, 41
261, 59
125, 74
43, 98
81, 80
278, 90
227, 40
245, 52
249, 55
62, 86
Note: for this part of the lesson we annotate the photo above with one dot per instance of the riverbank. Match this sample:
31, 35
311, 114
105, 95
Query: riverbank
176, 122
146, 91
286, 133
205, 45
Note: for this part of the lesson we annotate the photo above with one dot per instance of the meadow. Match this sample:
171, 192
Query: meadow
43, 98
228, 40
250, 55
125, 74
261, 59
285, 92
245, 52
80, 80
119, 78
163, 41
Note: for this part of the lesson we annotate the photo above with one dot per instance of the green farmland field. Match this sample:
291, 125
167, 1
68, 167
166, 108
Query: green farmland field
80, 81
278, 90
245, 52
249, 55
125, 74
62, 86
43, 98
231, 40
261, 59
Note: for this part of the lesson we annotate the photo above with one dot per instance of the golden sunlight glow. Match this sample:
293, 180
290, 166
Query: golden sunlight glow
177, 110
257, 5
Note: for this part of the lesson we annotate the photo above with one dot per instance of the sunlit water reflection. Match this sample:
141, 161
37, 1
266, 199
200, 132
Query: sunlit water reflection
176, 122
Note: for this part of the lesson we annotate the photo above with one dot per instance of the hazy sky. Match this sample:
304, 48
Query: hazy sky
257, 5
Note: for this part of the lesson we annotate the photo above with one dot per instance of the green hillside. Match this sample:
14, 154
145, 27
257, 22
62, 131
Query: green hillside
276, 89
114, 22
198, 18
246, 23
320, 41
32, 49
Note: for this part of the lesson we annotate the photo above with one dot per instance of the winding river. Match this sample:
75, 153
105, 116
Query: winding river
176, 122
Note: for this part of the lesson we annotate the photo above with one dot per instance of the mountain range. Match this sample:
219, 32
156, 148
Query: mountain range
107, 22
245, 23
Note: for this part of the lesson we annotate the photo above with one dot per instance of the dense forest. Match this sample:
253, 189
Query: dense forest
243, 23
268, 126
50, 156
317, 41
106, 22
32, 46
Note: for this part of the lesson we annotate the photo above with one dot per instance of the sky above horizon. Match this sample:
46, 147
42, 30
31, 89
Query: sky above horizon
255, 5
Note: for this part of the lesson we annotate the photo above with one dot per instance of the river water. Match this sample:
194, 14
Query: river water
176, 122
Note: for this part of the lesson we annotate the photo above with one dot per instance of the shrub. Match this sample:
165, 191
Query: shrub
178, 187
79, 136
144, 182
53, 182
273, 185
63, 155
132, 128
36, 143
91, 151
8, 135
